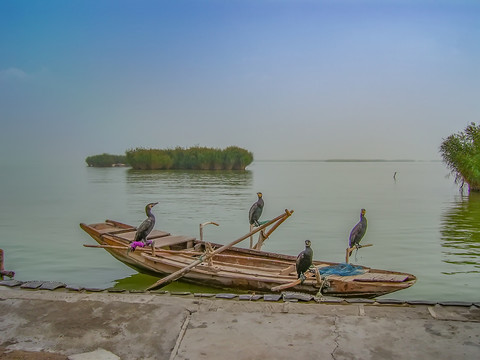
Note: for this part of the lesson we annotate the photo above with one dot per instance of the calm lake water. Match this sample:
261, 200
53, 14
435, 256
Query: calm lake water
418, 223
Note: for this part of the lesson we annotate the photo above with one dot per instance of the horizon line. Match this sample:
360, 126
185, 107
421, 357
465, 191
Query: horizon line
349, 160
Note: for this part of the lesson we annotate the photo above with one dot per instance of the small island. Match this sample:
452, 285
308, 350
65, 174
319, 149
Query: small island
106, 160
193, 158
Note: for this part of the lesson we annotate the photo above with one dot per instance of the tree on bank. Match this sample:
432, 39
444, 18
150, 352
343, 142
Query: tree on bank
461, 154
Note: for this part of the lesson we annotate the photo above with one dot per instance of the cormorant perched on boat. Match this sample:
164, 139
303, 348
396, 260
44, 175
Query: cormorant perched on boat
304, 259
358, 231
256, 210
145, 228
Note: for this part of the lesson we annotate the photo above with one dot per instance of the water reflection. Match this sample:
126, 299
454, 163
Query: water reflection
175, 187
144, 180
188, 198
142, 281
460, 230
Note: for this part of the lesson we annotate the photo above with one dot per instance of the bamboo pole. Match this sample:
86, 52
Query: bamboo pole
106, 246
350, 250
251, 237
178, 274
264, 236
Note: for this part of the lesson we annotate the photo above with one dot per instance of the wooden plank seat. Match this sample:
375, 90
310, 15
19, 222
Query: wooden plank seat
111, 228
155, 234
371, 277
117, 232
173, 240
105, 228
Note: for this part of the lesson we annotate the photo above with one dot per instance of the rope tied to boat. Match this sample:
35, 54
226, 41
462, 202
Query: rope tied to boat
342, 269
302, 278
324, 282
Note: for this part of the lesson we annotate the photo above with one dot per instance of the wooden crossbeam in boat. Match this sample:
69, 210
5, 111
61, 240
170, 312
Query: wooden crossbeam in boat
217, 265
170, 240
115, 232
130, 236
219, 257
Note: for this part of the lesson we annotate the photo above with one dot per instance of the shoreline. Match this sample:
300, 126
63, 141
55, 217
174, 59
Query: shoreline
160, 325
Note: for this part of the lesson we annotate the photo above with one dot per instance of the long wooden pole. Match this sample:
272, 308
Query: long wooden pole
106, 246
178, 274
350, 250
259, 244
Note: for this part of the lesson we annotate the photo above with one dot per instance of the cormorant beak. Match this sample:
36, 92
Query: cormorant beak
151, 205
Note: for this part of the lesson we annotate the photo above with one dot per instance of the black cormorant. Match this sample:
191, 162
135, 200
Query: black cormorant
304, 259
256, 210
145, 227
358, 231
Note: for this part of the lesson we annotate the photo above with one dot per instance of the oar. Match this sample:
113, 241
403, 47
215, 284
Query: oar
177, 274
291, 284
106, 246
350, 250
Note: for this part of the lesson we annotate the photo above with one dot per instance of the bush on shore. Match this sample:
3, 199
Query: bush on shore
461, 154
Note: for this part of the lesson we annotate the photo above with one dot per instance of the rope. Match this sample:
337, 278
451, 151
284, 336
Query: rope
319, 293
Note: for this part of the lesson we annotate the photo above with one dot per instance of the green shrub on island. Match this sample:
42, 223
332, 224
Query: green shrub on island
106, 160
194, 158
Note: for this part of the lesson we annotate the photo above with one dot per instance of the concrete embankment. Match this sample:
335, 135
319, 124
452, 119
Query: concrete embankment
65, 324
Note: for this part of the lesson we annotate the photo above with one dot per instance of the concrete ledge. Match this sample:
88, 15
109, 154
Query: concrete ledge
152, 326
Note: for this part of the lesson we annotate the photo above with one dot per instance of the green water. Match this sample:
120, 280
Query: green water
418, 223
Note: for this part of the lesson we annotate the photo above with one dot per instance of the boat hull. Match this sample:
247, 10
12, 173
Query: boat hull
237, 268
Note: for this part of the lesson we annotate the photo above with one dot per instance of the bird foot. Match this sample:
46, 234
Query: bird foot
136, 244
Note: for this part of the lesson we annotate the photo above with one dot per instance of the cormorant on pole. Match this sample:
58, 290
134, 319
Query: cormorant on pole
304, 259
358, 231
256, 210
145, 228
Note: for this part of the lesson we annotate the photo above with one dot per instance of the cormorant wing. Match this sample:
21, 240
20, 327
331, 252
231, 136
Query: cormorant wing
144, 229
300, 257
252, 212
356, 233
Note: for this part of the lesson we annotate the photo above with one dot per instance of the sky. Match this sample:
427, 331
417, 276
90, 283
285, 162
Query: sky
284, 79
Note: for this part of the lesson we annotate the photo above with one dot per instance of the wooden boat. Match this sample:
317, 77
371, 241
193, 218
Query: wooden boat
235, 267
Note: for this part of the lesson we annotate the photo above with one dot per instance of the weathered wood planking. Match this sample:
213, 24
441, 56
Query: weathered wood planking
372, 277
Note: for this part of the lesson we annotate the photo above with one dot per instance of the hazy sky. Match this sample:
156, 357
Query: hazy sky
285, 79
